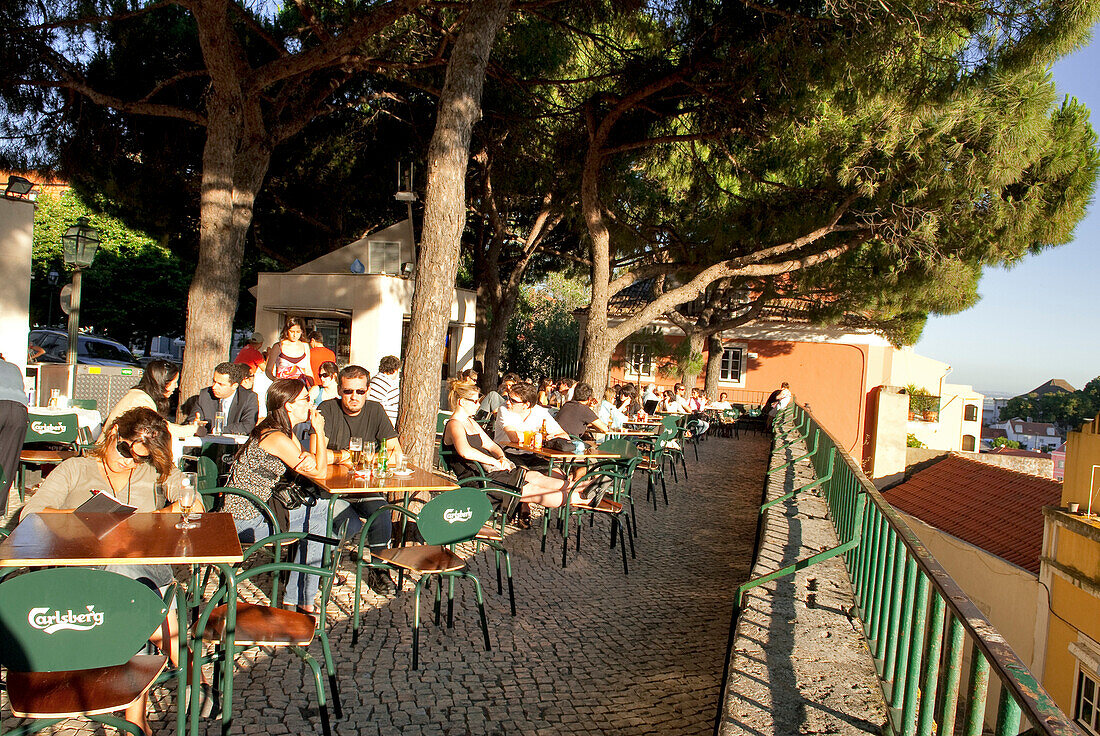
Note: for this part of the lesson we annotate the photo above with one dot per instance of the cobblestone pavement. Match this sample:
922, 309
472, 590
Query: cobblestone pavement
591, 651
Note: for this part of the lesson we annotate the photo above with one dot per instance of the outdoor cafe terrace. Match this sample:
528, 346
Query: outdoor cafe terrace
594, 651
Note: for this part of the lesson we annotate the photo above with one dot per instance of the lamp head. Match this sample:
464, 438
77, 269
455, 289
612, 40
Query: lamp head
80, 243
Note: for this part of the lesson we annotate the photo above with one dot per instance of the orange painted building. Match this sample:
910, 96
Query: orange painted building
837, 372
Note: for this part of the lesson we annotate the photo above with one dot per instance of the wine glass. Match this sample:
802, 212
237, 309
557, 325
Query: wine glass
188, 494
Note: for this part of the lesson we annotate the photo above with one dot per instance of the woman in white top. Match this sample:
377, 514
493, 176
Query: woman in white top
289, 357
154, 391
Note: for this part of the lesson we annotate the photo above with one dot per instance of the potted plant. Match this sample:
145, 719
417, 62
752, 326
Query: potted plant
922, 404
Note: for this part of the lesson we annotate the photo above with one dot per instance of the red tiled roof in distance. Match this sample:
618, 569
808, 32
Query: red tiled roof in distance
996, 509
1017, 452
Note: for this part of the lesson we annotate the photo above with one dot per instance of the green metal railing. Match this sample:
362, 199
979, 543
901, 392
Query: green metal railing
917, 621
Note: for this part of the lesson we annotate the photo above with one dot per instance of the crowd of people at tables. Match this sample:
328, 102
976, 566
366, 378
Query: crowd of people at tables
300, 412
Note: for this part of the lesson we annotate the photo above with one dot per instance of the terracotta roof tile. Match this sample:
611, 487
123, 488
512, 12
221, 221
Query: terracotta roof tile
996, 509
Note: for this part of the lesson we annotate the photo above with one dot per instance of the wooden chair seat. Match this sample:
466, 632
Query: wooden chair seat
607, 506
424, 558
263, 625
46, 456
89, 692
489, 533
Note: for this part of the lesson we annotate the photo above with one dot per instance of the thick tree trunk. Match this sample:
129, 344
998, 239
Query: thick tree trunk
696, 340
233, 171
494, 338
444, 219
714, 366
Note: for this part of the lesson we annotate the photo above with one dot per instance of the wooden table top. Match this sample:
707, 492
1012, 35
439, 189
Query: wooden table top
552, 454
343, 481
70, 539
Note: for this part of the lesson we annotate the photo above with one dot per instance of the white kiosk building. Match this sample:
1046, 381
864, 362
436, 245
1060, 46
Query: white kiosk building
360, 297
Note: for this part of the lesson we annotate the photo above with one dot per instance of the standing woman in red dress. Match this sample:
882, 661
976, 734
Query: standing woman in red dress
289, 357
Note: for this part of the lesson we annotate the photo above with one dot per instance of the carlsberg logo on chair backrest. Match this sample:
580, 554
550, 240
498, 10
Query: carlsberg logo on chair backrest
42, 619
454, 516
73, 618
457, 516
48, 427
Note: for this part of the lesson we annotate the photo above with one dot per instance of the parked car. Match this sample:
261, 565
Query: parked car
90, 349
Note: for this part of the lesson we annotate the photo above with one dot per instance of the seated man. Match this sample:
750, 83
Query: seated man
351, 415
578, 417
493, 400
520, 414
239, 405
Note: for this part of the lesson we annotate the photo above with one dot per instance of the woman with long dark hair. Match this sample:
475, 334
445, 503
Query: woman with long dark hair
154, 391
271, 454
289, 357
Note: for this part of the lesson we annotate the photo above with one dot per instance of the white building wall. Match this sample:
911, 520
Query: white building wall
16, 229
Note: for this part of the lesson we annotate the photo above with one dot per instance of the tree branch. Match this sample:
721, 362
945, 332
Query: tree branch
334, 51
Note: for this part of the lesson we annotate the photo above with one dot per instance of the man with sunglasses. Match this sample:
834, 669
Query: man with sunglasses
352, 415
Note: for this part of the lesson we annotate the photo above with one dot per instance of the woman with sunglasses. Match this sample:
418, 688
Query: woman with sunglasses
471, 447
154, 391
328, 388
273, 453
132, 457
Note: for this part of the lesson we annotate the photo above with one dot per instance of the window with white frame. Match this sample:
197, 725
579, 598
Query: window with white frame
732, 364
640, 360
1086, 701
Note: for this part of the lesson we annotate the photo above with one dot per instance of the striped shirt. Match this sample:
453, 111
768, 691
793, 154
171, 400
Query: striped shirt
386, 390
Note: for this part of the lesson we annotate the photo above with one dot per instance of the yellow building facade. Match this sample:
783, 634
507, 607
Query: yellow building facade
1070, 568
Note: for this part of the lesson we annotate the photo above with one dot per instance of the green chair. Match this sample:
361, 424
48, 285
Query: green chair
44, 433
492, 534
441, 420
674, 443
655, 451
234, 628
604, 471
68, 638
630, 458
448, 519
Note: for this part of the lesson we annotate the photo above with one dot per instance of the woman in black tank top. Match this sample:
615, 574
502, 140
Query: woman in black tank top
472, 446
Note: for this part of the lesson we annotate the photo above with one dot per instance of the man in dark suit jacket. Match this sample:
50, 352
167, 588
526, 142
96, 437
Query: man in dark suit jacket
241, 406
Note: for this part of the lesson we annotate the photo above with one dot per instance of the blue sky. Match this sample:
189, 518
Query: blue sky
1040, 319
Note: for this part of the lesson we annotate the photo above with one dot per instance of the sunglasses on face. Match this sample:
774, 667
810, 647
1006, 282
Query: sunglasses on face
125, 449
350, 391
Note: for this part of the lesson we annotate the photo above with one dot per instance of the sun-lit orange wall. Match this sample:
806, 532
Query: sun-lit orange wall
831, 377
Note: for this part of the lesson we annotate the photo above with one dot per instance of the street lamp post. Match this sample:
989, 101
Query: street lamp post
79, 244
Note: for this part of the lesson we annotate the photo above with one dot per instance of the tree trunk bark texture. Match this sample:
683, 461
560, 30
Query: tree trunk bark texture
714, 367
444, 219
234, 166
696, 340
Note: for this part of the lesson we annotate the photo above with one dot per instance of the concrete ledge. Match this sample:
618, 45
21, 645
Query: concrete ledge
799, 663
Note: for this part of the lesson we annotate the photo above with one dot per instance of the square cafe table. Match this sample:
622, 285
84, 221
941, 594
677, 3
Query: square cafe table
70, 539
342, 481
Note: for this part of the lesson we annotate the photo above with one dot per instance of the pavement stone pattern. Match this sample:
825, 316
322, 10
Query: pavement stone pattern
799, 663
591, 651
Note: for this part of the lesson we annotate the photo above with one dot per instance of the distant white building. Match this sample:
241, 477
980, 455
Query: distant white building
1031, 435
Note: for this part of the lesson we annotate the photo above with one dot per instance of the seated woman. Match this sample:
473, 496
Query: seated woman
468, 441
132, 460
154, 391
272, 452
327, 388
608, 412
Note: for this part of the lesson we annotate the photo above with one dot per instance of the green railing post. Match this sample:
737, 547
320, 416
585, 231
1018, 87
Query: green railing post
916, 652
871, 617
953, 662
893, 623
901, 661
976, 692
889, 597
927, 714
1008, 715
